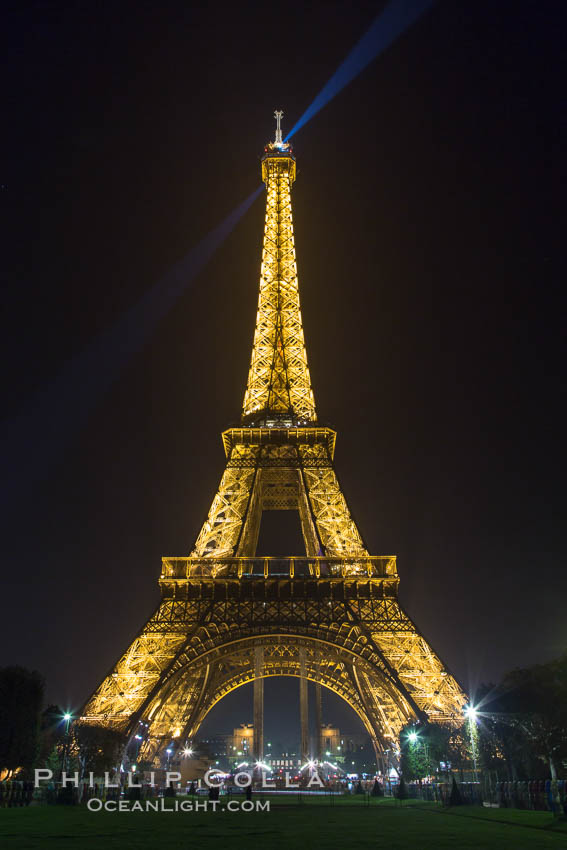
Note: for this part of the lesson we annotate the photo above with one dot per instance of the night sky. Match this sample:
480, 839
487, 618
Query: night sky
427, 221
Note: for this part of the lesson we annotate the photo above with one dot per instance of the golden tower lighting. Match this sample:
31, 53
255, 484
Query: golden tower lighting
229, 616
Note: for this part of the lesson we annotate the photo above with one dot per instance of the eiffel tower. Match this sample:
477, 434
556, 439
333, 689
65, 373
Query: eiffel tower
229, 616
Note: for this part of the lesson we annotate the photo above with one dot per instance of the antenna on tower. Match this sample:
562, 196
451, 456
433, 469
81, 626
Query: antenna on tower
278, 115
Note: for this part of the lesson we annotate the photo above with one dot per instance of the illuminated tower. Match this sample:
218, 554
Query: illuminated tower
228, 615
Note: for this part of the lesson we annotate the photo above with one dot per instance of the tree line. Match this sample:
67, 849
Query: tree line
516, 730
32, 736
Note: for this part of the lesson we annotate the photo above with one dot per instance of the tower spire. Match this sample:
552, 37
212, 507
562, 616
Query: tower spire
278, 115
279, 384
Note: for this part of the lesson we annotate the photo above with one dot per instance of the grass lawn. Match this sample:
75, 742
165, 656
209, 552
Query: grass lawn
348, 823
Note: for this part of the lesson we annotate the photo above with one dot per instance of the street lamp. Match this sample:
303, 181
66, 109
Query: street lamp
472, 714
67, 718
413, 737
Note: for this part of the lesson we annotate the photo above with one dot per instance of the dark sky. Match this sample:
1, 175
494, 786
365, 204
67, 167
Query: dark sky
428, 243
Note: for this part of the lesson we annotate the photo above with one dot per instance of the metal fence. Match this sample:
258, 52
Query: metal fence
535, 795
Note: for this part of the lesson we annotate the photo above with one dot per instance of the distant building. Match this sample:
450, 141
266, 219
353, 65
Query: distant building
242, 740
353, 742
283, 762
228, 751
330, 739
341, 747
214, 746
236, 748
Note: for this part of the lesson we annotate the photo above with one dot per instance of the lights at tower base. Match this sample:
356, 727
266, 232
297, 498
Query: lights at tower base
413, 737
471, 713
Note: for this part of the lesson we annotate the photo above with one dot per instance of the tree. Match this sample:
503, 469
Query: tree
99, 748
502, 743
424, 747
21, 697
54, 762
523, 721
414, 752
450, 744
537, 696
52, 738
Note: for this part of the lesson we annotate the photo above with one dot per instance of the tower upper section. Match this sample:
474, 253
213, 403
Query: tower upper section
279, 385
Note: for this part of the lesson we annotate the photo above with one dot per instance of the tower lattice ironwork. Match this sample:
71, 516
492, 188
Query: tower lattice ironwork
228, 616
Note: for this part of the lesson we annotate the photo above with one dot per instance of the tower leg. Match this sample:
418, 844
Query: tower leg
258, 704
318, 722
303, 708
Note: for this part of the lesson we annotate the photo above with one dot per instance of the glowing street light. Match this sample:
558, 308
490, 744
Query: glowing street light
187, 752
67, 718
413, 736
471, 713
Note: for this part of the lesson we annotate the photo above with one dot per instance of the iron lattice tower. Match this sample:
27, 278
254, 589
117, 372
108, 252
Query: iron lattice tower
228, 616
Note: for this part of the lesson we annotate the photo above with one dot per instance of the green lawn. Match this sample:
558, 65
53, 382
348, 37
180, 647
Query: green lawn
348, 823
